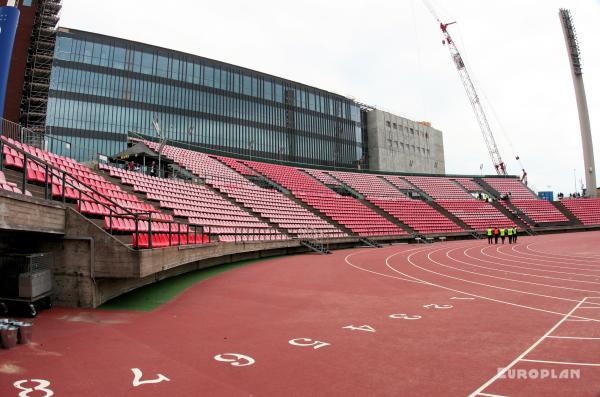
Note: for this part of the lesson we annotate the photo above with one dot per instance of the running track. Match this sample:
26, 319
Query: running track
447, 319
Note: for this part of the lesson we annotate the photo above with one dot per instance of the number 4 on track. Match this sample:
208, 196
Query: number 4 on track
366, 328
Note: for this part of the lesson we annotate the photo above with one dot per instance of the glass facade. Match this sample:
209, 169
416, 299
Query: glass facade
102, 87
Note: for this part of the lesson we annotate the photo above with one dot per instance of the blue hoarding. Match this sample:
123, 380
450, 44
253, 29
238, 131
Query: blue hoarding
9, 19
546, 196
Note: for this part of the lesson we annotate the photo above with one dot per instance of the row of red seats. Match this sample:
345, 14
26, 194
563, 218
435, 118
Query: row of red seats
586, 210
162, 240
511, 187
9, 186
120, 224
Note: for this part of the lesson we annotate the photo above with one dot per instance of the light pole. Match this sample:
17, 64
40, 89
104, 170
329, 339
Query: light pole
251, 147
574, 180
161, 139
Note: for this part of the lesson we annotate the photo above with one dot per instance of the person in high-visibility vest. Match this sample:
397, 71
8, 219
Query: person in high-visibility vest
490, 235
510, 235
496, 234
515, 234
503, 234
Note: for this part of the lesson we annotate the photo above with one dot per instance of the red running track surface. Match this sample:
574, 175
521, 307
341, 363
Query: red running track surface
429, 320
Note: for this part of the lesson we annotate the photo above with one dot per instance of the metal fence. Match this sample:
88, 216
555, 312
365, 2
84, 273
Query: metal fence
47, 141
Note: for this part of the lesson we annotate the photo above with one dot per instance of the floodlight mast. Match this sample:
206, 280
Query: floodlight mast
484, 125
584, 118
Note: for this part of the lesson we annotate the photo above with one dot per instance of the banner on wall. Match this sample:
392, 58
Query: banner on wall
9, 19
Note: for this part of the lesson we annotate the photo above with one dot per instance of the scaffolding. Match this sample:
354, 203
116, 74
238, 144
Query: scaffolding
34, 101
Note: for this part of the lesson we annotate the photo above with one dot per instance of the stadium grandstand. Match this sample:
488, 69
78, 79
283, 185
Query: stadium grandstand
129, 173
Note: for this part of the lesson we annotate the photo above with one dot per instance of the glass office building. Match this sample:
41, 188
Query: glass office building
103, 87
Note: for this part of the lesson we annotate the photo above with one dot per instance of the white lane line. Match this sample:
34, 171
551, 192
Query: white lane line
573, 337
463, 292
484, 284
506, 278
524, 250
420, 281
539, 266
490, 395
549, 257
579, 319
519, 273
561, 362
346, 259
588, 258
527, 351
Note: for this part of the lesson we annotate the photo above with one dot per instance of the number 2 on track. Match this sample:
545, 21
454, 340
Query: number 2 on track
137, 378
434, 306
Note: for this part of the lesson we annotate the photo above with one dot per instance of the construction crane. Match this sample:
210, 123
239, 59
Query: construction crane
484, 125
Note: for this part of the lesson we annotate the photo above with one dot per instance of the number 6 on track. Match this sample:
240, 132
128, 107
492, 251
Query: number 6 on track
306, 342
433, 305
237, 360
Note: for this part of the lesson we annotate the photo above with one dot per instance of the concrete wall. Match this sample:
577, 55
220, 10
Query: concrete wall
24, 213
397, 144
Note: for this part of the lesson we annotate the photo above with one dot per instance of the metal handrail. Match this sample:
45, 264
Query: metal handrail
51, 171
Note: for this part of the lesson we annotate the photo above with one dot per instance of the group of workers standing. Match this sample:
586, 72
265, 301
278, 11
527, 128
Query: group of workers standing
495, 233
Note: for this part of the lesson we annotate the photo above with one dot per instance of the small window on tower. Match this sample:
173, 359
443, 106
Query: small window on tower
27, 3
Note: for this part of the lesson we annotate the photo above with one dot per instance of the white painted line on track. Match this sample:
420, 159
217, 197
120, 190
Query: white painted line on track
484, 284
468, 293
346, 259
561, 362
541, 268
416, 280
573, 337
523, 274
490, 395
573, 257
527, 351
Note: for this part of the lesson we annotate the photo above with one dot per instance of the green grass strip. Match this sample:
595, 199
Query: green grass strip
151, 296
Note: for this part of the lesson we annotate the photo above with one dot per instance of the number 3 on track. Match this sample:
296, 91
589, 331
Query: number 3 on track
434, 306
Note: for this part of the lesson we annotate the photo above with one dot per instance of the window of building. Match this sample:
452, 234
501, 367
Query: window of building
395, 126
387, 123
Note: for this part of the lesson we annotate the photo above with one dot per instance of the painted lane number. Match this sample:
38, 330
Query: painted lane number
237, 360
306, 342
366, 328
434, 306
137, 378
42, 385
405, 316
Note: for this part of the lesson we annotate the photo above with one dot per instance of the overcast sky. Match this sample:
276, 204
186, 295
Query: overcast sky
390, 54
